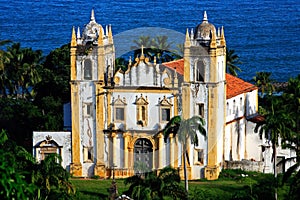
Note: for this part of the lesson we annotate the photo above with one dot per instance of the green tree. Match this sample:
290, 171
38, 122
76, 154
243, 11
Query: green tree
56, 78
13, 184
121, 63
51, 179
4, 55
22, 70
160, 48
143, 41
150, 186
291, 140
277, 123
264, 82
185, 129
20, 118
232, 60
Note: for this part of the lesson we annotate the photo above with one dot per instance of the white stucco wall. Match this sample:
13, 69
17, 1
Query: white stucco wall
63, 139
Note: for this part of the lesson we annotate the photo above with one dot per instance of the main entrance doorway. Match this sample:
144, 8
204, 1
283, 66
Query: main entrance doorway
143, 156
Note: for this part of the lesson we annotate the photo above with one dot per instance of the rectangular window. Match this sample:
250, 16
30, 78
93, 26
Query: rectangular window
120, 114
88, 109
201, 110
199, 156
87, 154
165, 114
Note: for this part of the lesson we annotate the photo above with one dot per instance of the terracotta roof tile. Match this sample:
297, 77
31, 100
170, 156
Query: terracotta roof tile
235, 86
178, 64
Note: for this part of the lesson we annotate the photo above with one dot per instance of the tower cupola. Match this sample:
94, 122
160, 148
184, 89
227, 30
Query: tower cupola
204, 31
92, 31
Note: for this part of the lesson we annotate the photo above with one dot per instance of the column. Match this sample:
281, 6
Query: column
175, 152
76, 167
114, 150
126, 140
172, 160
160, 151
100, 168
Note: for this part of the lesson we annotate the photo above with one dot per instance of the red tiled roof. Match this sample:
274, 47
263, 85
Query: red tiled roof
178, 64
235, 86
256, 119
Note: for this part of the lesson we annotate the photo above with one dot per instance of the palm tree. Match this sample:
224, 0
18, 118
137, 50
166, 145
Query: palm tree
143, 41
178, 52
151, 186
264, 82
4, 56
4, 59
276, 124
121, 63
291, 97
231, 62
161, 49
185, 129
52, 179
23, 70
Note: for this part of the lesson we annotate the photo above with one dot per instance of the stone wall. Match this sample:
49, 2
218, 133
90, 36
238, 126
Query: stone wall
246, 165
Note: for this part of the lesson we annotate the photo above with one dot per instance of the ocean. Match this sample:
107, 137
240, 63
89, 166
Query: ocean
265, 34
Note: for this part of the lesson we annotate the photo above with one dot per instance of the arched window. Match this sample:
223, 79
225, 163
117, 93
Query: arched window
142, 110
87, 72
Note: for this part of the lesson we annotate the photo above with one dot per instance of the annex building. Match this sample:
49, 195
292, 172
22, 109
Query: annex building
116, 116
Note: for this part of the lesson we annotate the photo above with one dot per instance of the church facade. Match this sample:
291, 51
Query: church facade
117, 117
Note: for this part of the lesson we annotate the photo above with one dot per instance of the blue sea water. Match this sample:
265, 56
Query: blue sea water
264, 33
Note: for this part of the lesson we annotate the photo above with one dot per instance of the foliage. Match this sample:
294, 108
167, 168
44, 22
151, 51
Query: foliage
157, 47
150, 186
291, 98
13, 184
52, 179
20, 72
264, 82
232, 60
19, 117
186, 129
22, 178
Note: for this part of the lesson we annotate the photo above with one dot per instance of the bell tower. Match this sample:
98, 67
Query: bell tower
204, 91
92, 67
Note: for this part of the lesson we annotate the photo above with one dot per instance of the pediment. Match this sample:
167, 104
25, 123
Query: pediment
141, 100
164, 102
119, 101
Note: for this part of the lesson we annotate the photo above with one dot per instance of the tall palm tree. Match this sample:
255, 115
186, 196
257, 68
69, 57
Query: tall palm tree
264, 82
232, 60
185, 129
161, 49
143, 41
23, 70
4, 59
291, 97
4, 56
178, 52
275, 125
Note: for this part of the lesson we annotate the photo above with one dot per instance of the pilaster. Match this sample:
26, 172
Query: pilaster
76, 167
126, 140
160, 151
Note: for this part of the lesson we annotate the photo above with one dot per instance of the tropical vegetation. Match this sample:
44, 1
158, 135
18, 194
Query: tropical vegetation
33, 89
187, 130
24, 178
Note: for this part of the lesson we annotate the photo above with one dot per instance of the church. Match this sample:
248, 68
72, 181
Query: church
117, 116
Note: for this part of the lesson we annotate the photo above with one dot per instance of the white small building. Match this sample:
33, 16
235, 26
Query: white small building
45, 143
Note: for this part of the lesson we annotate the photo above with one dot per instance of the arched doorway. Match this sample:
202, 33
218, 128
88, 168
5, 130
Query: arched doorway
143, 156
